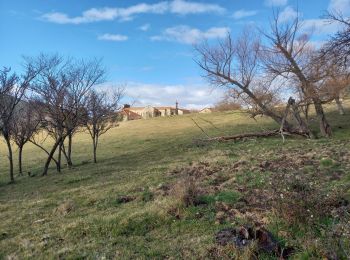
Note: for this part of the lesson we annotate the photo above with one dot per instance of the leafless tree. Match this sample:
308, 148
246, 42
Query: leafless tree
234, 64
102, 114
290, 55
85, 74
227, 103
335, 84
61, 89
339, 43
25, 125
12, 92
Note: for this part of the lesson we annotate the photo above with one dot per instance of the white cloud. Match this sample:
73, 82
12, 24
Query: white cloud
145, 27
244, 13
185, 7
113, 37
287, 14
126, 14
276, 2
320, 26
187, 35
342, 6
188, 96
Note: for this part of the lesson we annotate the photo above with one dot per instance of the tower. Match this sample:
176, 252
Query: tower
176, 108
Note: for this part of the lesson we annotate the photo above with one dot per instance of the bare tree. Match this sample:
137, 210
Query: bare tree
84, 75
61, 89
26, 123
227, 103
102, 114
289, 55
335, 84
12, 91
235, 65
339, 43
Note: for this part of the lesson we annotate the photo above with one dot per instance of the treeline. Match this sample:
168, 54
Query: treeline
260, 68
56, 97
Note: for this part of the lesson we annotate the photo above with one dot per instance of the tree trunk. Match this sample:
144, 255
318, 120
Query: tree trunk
52, 152
307, 109
340, 106
268, 112
303, 126
42, 148
325, 128
95, 143
69, 152
59, 157
10, 157
20, 150
69, 162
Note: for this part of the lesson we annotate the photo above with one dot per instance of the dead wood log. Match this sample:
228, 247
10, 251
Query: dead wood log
303, 126
286, 111
254, 135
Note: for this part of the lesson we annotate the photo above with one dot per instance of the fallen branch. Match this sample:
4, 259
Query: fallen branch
255, 135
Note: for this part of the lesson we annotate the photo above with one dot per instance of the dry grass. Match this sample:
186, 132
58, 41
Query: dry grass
134, 160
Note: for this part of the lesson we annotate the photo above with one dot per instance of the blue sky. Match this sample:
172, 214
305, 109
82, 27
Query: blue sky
146, 45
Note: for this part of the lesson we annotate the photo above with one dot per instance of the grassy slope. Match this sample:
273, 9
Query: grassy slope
133, 159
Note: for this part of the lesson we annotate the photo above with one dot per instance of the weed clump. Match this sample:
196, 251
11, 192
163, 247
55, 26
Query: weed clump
65, 208
186, 191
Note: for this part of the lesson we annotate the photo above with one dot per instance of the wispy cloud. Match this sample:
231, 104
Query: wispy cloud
340, 6
145, 27
320, 26
186, 7
276, 2
287, 14
188, 96
112, 37
187, 35
244, 13
180, 7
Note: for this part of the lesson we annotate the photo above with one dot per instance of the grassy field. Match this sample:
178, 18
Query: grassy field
299, 191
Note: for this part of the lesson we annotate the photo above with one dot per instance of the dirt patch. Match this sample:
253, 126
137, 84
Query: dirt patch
244, 236
197, 170
125, 199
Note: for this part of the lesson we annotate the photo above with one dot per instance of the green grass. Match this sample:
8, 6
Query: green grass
229, 197
135, 160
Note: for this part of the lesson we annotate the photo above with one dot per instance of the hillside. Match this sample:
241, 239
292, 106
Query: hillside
157, 193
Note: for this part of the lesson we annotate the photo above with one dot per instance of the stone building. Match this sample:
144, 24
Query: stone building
206, 110
132, 113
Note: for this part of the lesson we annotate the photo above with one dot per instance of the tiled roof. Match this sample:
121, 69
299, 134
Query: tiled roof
141, 108
131, 115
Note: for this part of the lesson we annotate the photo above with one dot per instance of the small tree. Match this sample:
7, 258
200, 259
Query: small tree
335, 84
84, 75
25, 124
61, 90
339, 43
12, 91
102, 114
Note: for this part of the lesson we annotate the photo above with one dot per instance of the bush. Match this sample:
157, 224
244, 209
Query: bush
227, 105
